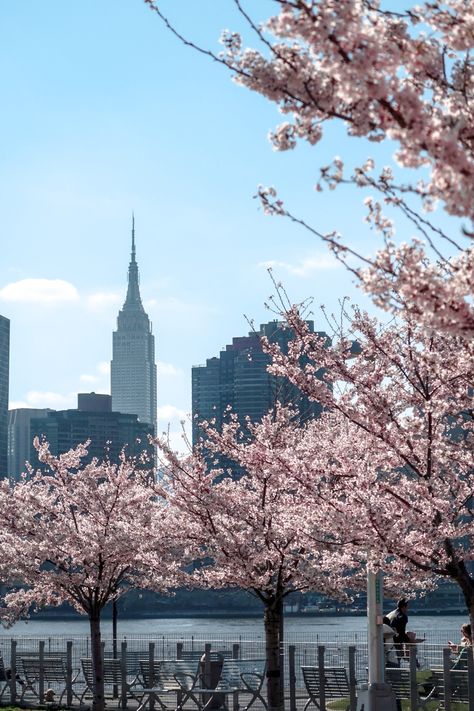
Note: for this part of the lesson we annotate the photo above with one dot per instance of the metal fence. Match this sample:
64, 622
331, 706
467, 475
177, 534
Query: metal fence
425, 669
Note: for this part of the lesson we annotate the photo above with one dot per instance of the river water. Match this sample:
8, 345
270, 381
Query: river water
436, 629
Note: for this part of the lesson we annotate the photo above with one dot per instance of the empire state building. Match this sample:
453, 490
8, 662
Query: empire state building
133, 369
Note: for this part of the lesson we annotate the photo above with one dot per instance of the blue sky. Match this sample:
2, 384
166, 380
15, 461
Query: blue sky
104, 113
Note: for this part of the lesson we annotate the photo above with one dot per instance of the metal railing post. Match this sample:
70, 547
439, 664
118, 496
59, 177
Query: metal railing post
352, 679
292, 675
41, 672
151, 664
447, 678
322, 685
413, 684
69, 673
123, 675
13, 671
235, 695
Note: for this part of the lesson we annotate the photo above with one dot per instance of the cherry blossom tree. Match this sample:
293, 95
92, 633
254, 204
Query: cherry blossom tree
252, 525
399, 427
406, 76
82, 534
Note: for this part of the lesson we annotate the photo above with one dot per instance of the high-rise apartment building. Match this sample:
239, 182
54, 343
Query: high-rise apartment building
238, 378
4, 380
20, 437
94, 420
133, 368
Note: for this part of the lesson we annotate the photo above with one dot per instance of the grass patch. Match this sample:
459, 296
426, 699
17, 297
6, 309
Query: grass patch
342, 704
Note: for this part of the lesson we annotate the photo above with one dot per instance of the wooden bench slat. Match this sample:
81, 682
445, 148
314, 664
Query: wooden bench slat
336, 684
112, 673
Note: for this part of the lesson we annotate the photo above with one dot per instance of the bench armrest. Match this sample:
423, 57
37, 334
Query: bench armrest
183, 676
256, 675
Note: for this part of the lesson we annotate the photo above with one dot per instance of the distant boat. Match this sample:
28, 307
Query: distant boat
319, 609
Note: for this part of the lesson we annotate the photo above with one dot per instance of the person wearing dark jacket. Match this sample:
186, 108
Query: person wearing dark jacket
398, 620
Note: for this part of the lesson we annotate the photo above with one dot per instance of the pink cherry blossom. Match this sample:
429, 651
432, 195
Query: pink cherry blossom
257, 527
384, 73
82, 534
399, 427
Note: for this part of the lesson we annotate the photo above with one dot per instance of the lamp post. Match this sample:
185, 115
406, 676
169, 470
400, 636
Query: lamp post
376, 695
374, 627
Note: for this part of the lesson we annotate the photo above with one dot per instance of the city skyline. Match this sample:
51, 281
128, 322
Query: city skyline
139, 123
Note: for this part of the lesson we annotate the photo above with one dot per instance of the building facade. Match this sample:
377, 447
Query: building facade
94, 420
133, 368
238, 378
20, 438
4, 381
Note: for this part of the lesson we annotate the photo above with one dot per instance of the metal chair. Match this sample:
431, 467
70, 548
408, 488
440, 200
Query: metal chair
176, 678
336, 685
240, 677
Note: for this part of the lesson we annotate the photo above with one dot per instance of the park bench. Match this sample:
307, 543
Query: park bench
238, 677
113, 679
52, 670
133, 658
399, 680
170, 679
336, 685
459, 686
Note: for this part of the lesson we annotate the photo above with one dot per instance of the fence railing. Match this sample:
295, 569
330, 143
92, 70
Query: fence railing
425, 673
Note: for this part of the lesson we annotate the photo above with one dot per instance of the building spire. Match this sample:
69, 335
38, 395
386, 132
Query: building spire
133, 300
133, 236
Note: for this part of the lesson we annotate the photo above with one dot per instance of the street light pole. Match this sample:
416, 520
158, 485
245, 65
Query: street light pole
376, 695
374, 627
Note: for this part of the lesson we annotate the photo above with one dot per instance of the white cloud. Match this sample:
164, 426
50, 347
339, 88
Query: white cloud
102, 374
17, 404
36, 398
305, 267
103, 299
166, 368
85, 378
39, 291
170, 412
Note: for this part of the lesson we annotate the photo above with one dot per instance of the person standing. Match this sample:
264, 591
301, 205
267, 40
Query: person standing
398, 620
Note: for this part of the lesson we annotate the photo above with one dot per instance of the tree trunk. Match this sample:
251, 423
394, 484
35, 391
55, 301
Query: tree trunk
272, 622
98, 703
114, 640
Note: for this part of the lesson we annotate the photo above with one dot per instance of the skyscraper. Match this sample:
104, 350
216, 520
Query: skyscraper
20, 438
4, 378
238, 378
133, 369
